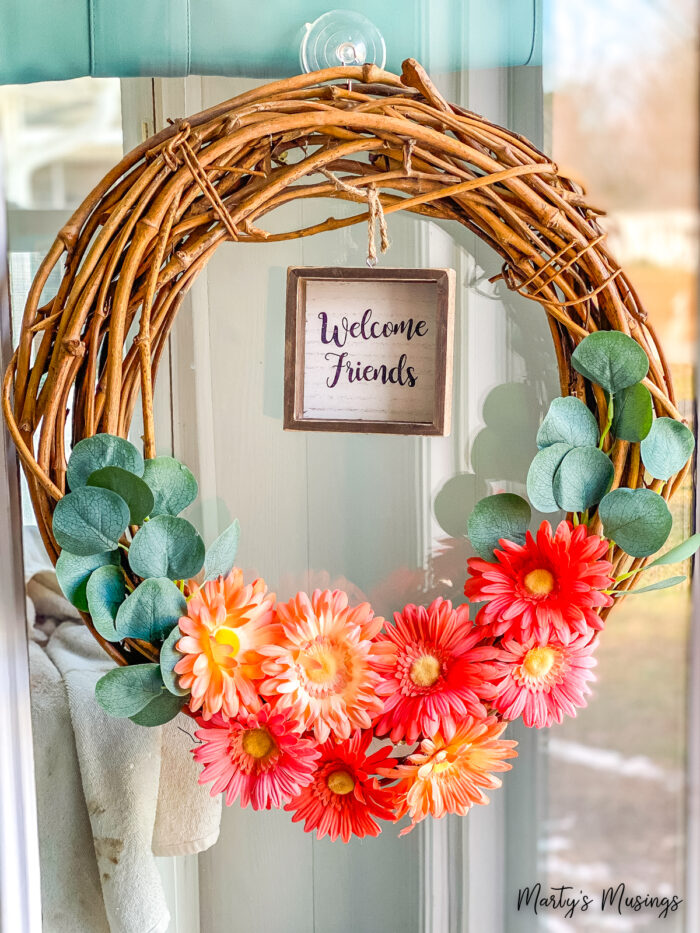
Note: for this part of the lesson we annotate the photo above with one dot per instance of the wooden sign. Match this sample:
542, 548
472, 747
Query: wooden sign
369, 350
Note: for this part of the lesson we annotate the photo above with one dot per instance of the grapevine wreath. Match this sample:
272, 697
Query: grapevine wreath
289, 697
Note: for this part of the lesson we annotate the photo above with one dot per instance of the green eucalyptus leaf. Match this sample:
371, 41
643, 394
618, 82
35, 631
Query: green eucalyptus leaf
131, 488
159, 711
667, 448
172, 484
167, 546
106, 591
503, 515
611, 359
584, 476
151, 611
637, 519
678, 553
660, 585
73, 572
222, 554
90, 521
125, 691
101, 450
634, 413
540, 477
570, 422
169, 656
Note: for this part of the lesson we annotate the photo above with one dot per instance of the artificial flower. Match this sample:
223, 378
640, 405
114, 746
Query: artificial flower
448, 775
551, 585
226, 623
545, 682
321, 668
259, 757
345, 797
435, 670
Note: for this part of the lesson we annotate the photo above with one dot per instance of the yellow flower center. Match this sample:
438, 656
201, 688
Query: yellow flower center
227, 636
340, 782
538, 662
321, 667
539, 582
258, 743
425, 671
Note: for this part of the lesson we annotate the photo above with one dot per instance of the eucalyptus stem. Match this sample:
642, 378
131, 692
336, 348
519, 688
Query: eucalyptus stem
608, 423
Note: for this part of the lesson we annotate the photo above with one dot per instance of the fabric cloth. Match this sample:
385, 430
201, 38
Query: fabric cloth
111, 794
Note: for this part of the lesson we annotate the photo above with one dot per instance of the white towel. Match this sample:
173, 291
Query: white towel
139, 787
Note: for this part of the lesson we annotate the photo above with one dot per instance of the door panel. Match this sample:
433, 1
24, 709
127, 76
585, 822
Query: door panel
380, 516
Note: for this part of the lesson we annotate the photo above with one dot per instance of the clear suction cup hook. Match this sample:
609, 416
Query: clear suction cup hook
341, 37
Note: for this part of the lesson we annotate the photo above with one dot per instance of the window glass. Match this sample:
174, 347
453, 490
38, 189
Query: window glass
621, 109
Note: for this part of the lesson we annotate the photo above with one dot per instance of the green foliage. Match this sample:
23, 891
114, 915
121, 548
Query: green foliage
133, 490
611, 359
221, 555
570, 422
633, 413
102, 450
680, 552
540, 477
151, 611
169, 656
638, 520
172, 485
125, 691
90, 521
667, 448
503, 515
160, 710
73, 572
659, 585
106, 591
582, 479
167, 546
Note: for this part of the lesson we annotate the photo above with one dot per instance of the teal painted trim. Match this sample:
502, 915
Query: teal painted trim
42, 40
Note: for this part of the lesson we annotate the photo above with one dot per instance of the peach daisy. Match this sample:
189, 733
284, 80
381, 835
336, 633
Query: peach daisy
259, 757
321, 668
435, 671
345, 797
545, 682
551, 585
226, 623
448, 775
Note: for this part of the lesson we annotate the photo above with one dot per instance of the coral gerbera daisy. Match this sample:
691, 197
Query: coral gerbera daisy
551, 585
322, 666
447, 775
435, 670
226, 622
544, 682
259, 757
345, 797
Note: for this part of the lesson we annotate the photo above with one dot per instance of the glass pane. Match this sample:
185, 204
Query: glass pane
58, 140
621, 102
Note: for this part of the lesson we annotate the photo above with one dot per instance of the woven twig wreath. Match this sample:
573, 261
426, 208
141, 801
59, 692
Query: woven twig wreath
136, 244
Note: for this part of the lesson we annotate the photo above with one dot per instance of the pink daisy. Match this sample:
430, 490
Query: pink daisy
545, 682
345, 797
321, 668
435, 671
259, 757
551, 585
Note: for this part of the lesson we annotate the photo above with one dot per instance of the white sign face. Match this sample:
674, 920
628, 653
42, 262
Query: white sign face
369, 350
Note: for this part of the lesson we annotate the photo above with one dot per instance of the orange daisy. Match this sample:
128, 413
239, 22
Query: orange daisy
322, 667
227, 622
447, 775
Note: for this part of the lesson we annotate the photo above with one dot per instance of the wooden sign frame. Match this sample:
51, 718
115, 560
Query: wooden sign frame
294, 362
